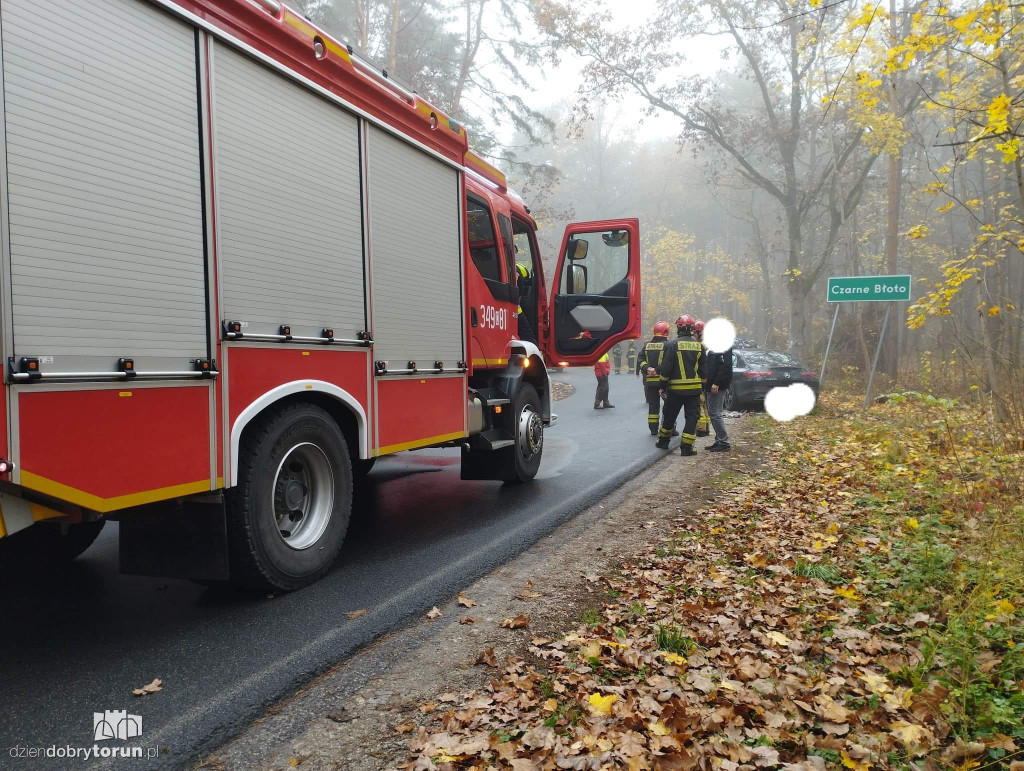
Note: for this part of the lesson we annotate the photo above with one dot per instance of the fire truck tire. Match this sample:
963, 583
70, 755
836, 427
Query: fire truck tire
46, 545
529, 434
288, 514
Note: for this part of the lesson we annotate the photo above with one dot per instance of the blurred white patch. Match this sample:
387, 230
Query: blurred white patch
786, 402
803, 398
719, 335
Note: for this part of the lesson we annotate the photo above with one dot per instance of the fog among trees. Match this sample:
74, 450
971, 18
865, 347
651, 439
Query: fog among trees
831, 138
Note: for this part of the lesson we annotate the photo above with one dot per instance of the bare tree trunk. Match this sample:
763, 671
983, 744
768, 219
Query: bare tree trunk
891, 357
363, 23
393, 38
469, 49
865, 352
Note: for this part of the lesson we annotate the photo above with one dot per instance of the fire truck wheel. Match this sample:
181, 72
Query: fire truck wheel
529, 433
288, 515
46, 545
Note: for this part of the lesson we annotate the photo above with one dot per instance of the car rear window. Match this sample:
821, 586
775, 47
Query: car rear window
770, 359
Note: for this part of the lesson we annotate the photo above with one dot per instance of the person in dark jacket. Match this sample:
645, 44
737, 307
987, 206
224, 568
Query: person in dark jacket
651, 356
719, 373
681, 373
631, 355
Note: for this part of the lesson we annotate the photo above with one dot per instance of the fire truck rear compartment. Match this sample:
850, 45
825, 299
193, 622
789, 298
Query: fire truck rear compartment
187, 230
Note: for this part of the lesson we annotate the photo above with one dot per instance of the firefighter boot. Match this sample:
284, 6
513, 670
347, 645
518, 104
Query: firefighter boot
704, 421
687, 449
608, 405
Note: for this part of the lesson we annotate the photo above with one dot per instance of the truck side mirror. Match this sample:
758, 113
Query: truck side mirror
579, 279
578, 248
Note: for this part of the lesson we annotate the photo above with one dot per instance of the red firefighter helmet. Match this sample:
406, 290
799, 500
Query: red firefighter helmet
698, 327
685, 321
661, 329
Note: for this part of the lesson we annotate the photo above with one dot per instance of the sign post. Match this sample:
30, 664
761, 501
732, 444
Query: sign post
859, 289
828, 347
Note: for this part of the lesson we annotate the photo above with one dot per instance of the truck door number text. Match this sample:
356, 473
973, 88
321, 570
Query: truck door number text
492, 318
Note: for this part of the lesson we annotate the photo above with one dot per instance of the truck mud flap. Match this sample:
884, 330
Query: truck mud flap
175, 539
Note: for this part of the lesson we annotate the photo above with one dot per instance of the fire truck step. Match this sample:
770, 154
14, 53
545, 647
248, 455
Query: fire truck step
493, 397
494, 439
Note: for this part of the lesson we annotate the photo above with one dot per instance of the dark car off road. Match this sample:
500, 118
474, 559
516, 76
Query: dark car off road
756, 372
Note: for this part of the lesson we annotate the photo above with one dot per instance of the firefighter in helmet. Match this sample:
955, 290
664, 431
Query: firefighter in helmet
631, 356
647, 365
704, 421
681, 372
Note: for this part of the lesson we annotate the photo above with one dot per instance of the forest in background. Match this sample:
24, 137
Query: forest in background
831, 137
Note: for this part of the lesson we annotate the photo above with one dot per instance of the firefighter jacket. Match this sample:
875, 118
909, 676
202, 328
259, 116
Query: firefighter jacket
651, 355
719, 369
682, 367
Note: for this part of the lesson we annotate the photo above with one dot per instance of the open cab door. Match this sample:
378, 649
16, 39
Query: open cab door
595, 291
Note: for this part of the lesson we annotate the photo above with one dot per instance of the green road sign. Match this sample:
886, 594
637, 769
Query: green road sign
858, 289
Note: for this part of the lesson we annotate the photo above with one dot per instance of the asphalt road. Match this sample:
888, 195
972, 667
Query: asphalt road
79, 642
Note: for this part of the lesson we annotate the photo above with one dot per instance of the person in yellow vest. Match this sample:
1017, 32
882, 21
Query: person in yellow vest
704, 421
647, 365
602, 369
681, 373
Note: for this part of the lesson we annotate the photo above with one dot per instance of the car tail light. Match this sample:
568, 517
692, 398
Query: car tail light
808, 373
753, 374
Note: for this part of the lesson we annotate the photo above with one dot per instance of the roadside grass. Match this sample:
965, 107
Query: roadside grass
946, 491
858, 603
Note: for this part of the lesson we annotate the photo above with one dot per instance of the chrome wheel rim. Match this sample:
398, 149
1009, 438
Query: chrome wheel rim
303, 495
531, 433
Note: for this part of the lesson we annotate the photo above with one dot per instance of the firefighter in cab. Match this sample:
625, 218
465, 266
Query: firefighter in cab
681, 374
704, 421
524, 283
651, 356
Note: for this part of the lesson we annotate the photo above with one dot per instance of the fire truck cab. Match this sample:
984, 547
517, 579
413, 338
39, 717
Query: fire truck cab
239, 264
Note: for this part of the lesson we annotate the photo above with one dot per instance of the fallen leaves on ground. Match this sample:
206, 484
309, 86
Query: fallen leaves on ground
801, 622
356, 613
518, 622
153, 687
465, 601
434, 613
487, 657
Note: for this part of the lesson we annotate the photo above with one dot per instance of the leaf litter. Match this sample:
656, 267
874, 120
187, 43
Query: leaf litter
778, 630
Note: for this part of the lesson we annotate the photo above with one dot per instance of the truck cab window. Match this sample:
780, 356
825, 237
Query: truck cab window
483, 246
597, 263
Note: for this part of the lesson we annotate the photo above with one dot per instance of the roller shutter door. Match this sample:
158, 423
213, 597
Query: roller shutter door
288, 203
103, 169
415, 255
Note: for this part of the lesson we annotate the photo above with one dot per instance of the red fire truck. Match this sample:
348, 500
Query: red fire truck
239, 265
